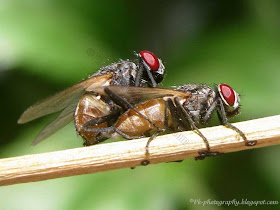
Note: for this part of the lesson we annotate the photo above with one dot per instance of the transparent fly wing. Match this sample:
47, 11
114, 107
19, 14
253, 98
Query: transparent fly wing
137, 94
64, 98
65, 117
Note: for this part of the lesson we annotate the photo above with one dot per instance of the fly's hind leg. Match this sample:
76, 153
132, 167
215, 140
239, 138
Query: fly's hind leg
223, 119
175, 119
166, 116
187, 120
114, 129
151, 139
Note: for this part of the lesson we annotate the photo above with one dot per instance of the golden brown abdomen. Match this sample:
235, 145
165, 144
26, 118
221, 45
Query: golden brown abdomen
90, 107
132, 124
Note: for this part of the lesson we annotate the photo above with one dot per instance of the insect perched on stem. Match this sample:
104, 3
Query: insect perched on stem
183, 108
81, 103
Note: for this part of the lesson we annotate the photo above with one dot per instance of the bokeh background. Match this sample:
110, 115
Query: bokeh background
46, 46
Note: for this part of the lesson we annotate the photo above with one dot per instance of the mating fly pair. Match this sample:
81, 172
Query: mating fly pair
81, 103
183, 108
116, 102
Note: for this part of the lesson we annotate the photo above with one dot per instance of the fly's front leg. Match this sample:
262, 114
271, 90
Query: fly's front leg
139, 74
148, 69
209, 112
223, 119
187, 116
124, 104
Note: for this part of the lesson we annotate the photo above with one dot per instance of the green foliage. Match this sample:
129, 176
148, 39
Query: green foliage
48, 45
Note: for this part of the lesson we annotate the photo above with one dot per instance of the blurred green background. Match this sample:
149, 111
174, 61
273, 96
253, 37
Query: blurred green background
46, 46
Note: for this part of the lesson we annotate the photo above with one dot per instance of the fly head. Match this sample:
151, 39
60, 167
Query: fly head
230, 99
152, 66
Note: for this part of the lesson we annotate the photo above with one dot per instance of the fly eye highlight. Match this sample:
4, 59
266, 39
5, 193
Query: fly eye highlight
150, 59
228, 94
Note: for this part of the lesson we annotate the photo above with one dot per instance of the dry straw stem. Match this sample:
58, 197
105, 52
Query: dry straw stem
131, 153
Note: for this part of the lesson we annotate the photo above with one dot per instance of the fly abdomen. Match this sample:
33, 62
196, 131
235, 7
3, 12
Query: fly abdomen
90, 107
133, 124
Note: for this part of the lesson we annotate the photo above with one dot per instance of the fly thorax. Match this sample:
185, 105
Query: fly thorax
206, 102
200, 101
123, 71
211, 97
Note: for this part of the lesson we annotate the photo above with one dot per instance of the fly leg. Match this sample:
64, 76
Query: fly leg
223, 119
151, 139
175, 119
139, 74
159, 131
148, 69
96, 121
99, 120
98, 139
126, 105
187, 119
166, 116
209, 112
168, 106
112, 129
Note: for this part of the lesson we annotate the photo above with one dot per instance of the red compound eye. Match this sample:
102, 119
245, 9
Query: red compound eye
228, 94
150, 59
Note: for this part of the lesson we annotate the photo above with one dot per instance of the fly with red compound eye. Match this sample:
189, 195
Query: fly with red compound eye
151, 67
81, 103
184, 108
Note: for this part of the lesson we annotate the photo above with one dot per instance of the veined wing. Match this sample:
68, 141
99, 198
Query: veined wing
64, 98
137, 94
65, 117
